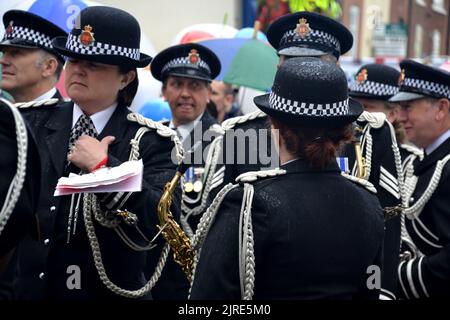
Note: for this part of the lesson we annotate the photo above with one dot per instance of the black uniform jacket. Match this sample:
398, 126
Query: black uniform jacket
429, 276
251, 150
315, 236
22, 221
383, 176
45, 266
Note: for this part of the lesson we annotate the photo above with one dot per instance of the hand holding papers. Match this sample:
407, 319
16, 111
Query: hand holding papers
125, 178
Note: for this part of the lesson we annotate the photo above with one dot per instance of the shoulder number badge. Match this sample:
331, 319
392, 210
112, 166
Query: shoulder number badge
303, 29
362, 76
193, 56
86, 36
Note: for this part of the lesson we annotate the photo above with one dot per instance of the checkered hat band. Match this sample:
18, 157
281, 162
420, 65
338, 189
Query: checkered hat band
31, 35
374, 88
98, 48
308, 109
184, 62
317, 36
431, 87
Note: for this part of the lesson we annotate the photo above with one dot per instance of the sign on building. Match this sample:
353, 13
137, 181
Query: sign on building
390, 40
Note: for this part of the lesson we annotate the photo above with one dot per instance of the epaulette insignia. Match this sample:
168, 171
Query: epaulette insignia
252, 176
37, 104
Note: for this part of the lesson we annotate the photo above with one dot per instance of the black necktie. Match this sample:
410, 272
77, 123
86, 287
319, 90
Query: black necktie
84, 126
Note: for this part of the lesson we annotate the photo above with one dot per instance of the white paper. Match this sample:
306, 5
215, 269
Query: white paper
124, 178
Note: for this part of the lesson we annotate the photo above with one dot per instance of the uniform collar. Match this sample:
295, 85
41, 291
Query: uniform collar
48, 95
185, 129
100, 119
437, 142
300, 165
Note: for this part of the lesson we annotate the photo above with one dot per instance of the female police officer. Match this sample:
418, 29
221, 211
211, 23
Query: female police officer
89, 249
302, 231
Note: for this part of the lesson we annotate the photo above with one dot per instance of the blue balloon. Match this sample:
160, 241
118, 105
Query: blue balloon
157, 110
62, 13
248, 33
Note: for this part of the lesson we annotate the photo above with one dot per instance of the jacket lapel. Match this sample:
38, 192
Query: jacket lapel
57, 139
430, 160
116, 126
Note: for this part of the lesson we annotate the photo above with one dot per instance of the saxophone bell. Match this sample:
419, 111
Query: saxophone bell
360, 161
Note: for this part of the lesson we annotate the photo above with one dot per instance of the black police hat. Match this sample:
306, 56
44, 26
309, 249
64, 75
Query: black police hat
375, 81
309, 34
190, 60
27, 30
106, 35
298, 97
419, 81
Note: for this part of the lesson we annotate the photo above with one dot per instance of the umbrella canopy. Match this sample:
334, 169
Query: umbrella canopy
203, 31
245, 62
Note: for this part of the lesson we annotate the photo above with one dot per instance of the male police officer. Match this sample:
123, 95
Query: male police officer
30, 65
425, 112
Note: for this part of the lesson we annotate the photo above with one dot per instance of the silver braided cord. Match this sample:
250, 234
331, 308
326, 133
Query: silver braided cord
232, 122
246, 245
397, 160
88, 201
162, 130
204, 225
212, 160
414, 211
365, 183
16, 185
208, 218
35, 104
92, 207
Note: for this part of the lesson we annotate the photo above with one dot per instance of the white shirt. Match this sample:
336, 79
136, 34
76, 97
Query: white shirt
185, 129
100, 119
437, 142
48, 95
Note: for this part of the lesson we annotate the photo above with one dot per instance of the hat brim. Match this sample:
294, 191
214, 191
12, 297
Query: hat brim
406, 96
354, 111
59, 44
301, 52
184, 75
365, 95
8, 43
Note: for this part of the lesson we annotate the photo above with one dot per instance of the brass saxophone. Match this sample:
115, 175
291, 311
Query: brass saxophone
183, 253
360, 161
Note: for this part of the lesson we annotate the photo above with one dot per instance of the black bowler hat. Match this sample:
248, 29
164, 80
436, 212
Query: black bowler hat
309, 34
190, 60
298, 94
420, 81
375, 81
27, 30
106, 35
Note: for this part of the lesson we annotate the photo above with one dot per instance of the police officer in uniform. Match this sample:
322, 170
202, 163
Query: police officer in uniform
186, 72
95, 245
19, 220
30, 65
425, 113
307, 231
298, 34
374, 85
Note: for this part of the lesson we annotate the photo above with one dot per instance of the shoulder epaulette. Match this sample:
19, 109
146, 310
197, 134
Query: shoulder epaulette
412, 149
374, 119
232, 122
37, 104
252, 176
363, 182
